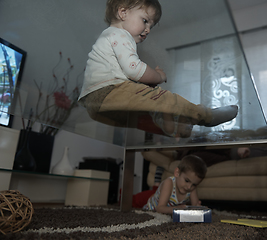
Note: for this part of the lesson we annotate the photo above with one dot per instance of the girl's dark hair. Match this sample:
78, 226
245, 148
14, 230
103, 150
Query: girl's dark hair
195, 164
112, 7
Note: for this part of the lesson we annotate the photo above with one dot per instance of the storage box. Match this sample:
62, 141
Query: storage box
105, 164
88, 192
192, 214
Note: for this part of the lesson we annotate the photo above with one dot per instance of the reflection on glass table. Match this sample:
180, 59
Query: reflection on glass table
50, 175
222, 84
212, 72
216, 76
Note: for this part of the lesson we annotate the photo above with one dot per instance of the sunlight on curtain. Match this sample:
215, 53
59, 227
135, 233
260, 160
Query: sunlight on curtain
221, 76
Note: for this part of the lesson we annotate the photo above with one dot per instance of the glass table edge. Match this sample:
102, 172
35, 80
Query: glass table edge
248, 143
54, 175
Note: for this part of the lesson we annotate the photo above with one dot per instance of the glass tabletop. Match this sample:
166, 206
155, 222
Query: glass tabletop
51, 175
200, 52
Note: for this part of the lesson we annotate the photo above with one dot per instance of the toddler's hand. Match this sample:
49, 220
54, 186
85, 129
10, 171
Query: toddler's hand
162, 74
181, 206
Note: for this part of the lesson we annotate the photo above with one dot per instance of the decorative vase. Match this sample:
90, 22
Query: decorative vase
63, 167
23, 158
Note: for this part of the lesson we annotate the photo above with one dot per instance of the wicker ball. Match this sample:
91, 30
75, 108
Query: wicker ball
15, 211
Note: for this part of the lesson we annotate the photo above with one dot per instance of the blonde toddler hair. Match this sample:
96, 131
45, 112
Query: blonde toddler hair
113, 6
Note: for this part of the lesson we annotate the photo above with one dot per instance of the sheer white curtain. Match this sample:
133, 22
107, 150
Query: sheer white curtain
215, 73
221, 76
186, 73
209, 73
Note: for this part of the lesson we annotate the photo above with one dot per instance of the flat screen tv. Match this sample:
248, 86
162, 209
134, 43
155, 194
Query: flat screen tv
12, 60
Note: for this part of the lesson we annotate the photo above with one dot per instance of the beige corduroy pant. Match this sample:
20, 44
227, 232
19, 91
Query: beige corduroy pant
122, 104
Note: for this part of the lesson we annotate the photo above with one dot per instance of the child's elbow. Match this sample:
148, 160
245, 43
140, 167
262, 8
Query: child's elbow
161, 209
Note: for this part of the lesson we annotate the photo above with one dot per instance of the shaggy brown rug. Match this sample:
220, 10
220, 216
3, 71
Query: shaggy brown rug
106, 223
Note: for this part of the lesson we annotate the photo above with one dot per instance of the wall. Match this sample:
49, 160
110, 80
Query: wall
250, 17
251, 22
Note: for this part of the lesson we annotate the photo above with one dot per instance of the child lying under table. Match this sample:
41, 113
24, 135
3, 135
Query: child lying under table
177, 191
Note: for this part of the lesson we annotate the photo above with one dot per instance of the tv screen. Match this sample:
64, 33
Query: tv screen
12, 60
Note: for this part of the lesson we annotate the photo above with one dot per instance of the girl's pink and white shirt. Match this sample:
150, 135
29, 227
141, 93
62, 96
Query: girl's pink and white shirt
113, 60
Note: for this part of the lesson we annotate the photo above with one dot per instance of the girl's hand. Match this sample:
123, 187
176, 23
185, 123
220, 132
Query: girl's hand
153, 76
162, 74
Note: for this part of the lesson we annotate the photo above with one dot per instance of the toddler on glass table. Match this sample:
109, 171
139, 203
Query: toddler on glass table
119, 88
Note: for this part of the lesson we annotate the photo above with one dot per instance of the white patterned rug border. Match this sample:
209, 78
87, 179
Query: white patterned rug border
157, 220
